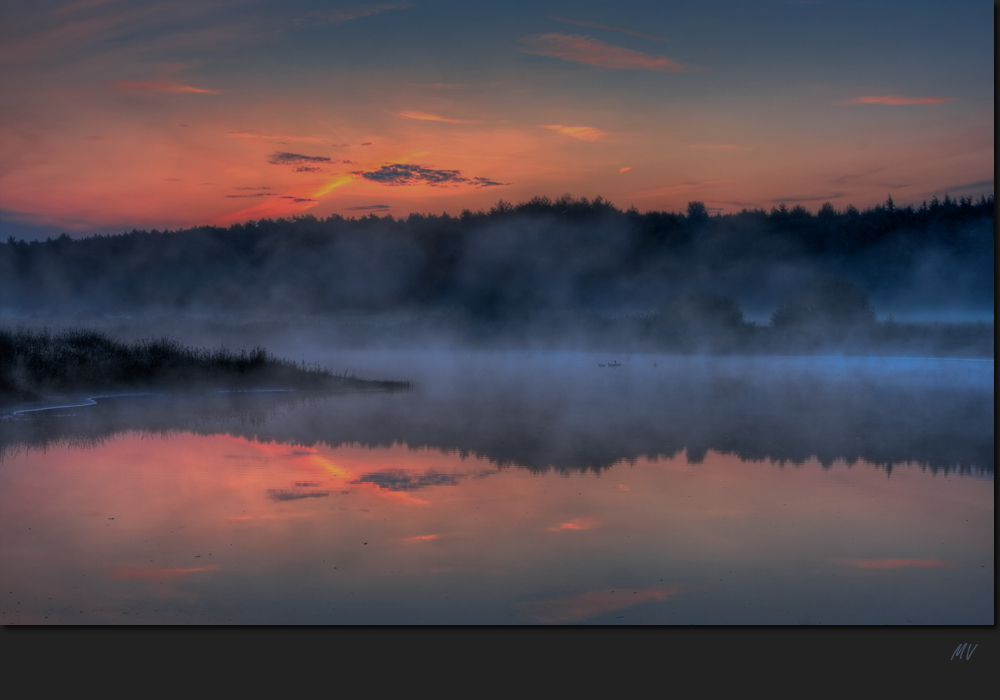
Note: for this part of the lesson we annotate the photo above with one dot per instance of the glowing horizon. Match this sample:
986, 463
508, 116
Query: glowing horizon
124, 115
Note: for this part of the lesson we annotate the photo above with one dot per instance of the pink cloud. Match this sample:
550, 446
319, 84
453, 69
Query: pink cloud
583, 49
575, 524
160, 85
584, 133
897, 100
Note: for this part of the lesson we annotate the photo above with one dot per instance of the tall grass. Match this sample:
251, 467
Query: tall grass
36, 362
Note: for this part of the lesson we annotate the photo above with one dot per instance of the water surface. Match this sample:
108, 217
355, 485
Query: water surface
516, 488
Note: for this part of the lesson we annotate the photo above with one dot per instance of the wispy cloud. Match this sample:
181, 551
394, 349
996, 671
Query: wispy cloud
370, 207
480, 182
285, 495
717, 147
848, 178
160, 85
406, 174
285, 158
625, 169
357, 12
421, 538
583, 49
424, 116
595, 25
584, 133
978, 185
809, 198
897, 100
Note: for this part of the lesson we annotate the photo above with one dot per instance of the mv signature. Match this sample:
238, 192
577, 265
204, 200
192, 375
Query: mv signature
967, 649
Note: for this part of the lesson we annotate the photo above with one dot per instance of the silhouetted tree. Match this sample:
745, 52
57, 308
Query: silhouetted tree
696, 212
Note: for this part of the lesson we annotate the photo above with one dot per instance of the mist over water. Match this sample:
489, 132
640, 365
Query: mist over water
535, 486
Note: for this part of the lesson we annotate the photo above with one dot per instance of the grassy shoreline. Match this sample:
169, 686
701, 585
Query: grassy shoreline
35, 363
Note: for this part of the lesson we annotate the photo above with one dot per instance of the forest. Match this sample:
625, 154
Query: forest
500, 269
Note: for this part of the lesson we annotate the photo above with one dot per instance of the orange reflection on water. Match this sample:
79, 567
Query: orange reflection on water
593, 603
891, 563
159, 574
321, 528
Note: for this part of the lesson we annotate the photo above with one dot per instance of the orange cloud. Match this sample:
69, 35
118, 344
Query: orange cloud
160, 85
420, 538
625, 169
576, 524
583, 49
889, 563
584, 133
897, 100
586, 605
423, 116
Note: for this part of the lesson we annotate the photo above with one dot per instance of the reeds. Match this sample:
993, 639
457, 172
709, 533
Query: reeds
37, 362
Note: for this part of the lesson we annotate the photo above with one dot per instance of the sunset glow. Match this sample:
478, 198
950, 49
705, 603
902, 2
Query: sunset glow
127, 114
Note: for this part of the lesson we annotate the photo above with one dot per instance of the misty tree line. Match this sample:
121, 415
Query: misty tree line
574, 254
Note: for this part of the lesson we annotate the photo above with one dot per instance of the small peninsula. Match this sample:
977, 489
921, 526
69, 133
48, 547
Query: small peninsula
34, 364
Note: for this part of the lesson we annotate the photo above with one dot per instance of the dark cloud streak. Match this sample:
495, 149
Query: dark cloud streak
398, 174
283, 495
285, 158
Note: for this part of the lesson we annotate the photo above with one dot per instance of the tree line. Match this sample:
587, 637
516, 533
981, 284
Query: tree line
543, 254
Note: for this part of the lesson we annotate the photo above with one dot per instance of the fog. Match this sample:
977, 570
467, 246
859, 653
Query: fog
573, 411
570, 334
490, 271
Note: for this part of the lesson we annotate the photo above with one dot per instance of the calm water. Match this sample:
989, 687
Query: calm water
516, 488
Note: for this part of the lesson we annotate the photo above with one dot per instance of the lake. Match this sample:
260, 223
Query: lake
516, 488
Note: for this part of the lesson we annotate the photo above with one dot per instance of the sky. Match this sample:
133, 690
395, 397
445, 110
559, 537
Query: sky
122, 114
